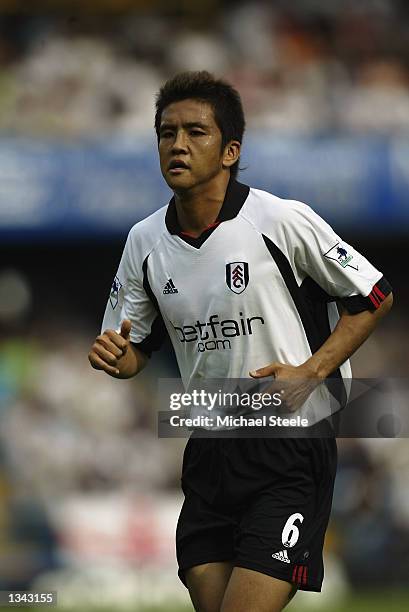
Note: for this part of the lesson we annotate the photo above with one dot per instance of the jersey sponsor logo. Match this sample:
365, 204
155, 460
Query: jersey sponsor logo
114, 294
215, 334
169, 287
237, 276
340, 254
281, 555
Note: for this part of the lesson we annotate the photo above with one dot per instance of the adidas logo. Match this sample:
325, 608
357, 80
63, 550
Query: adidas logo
169, 287
281, 556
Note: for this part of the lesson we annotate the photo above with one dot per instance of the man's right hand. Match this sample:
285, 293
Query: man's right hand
112, 353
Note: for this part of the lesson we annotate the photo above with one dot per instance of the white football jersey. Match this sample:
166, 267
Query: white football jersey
259, 285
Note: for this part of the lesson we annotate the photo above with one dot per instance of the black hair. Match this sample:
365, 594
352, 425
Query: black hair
222, 97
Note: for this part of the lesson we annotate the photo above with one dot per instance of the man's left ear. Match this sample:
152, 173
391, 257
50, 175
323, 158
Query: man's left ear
231, 153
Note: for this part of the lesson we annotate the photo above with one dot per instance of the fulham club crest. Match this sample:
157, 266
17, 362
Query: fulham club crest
237, 276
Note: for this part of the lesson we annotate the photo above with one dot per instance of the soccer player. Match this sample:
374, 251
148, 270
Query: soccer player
245, 284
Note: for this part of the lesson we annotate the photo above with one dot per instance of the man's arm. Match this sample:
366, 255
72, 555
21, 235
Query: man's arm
350, 332
116, 355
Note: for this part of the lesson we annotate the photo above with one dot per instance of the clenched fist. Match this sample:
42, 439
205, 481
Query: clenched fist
110, 349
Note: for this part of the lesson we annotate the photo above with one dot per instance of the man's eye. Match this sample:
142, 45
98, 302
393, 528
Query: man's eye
196, 133
166, 134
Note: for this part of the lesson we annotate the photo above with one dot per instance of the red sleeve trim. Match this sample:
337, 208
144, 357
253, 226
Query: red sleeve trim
379, 292
359, 303
375, 301
377, 296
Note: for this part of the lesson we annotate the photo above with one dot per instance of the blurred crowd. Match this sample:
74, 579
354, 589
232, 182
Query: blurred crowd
306, 66
83, 474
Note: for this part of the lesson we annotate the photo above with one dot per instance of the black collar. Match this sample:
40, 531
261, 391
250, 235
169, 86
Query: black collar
236, 195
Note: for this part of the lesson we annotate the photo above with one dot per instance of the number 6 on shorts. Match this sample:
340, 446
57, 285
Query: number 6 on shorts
291, 533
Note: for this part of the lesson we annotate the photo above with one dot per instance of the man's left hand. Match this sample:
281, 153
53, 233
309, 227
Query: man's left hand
294, 383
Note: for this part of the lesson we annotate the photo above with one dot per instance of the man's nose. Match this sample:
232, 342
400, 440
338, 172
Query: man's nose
180, 142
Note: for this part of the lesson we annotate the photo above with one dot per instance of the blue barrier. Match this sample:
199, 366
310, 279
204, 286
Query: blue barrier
99, 189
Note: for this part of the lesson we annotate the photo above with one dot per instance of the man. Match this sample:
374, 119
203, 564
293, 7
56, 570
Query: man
245, 284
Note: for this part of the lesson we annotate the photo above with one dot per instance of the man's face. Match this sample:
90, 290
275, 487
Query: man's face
189, 144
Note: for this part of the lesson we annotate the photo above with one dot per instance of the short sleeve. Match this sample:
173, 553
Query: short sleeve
128, 299
336, 266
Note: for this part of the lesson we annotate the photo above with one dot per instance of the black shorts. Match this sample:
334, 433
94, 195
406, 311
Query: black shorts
262, 504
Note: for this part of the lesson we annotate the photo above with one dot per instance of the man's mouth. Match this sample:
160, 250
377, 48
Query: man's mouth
177, 166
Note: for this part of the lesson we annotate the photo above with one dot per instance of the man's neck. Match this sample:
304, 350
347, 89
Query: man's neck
198, 208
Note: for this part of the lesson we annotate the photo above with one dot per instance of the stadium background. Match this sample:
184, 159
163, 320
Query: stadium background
88, 495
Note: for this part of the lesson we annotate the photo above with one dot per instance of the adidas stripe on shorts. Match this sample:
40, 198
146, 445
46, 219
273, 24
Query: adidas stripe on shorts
262, 504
